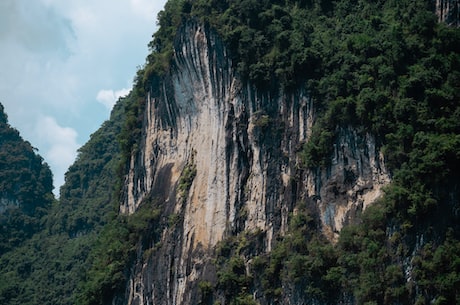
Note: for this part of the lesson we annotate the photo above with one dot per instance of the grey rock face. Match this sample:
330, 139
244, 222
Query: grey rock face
448, 11
244, 145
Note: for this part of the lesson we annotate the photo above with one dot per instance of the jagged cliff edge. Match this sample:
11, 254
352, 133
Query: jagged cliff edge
244, 147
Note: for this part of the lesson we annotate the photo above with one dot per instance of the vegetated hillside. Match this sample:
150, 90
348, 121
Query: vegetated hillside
46, 267
383, 67
26, 185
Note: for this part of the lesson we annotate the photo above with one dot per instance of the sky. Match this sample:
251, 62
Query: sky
63, 64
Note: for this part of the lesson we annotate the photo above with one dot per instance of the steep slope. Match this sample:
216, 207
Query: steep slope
245, 167
52, 259
258, 153
26, 184
271, 152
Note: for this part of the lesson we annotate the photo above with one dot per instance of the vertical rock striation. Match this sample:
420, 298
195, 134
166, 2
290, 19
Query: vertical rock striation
448, 11
243, 145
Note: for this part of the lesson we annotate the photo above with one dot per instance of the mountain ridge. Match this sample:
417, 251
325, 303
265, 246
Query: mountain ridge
270, 152
349, 103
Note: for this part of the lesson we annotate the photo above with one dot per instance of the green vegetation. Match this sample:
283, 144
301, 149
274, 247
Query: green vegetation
26, 185
437, 271
26, 198
302, 260
383, 67
130, 133
186, 179
234, 282
77, 249
47, 267
114, 252
386, 67
366, 265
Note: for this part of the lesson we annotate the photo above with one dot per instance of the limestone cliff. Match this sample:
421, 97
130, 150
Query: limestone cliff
448, 11
244, 148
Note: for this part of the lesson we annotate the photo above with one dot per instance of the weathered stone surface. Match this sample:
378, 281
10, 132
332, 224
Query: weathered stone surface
244, 145
448, 11
353, 181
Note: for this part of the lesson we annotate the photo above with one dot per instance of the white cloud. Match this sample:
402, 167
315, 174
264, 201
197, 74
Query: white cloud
108, 98
56, 56
62, 146
34, 26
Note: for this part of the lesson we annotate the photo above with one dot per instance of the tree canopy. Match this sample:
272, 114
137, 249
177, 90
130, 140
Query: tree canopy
384, 67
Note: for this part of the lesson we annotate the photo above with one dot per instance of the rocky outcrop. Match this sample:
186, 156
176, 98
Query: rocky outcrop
6, 203
448, 11
243, 146
352, 181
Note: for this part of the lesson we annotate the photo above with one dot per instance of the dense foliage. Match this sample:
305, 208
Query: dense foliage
113, 253
368, 265
384, 67
26, 185
47, 267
